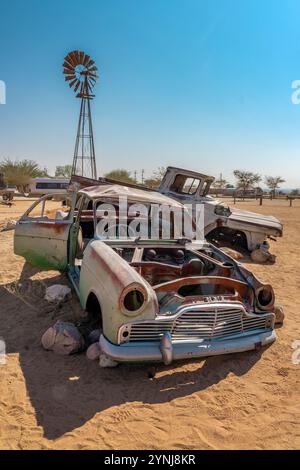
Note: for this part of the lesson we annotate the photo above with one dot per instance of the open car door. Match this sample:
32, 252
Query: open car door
41, 234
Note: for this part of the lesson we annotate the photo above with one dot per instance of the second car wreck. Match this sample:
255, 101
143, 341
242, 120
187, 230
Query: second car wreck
154, 300
222, 223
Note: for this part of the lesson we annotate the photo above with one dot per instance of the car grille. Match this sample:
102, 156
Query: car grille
213, 323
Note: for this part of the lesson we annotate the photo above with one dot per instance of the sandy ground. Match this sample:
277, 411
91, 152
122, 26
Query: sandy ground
248, 400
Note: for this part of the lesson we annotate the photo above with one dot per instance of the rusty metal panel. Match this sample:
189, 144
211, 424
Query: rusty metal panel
43, 244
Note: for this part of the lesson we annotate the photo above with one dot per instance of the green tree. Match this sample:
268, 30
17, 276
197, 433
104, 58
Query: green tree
156, 177
246, 180
295, 192
20, 173
120, 175
273, 183
63, 171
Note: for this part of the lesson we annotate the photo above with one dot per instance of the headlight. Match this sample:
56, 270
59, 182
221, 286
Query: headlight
265, 297
133, 299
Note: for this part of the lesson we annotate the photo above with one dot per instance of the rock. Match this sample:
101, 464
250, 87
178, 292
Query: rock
10, 225
105, 361
58, 293
48, 338
230, 252
261, 255
93, 351
279, 314
63, 338
94, 336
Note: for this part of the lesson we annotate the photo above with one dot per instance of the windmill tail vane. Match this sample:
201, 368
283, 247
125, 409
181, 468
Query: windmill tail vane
81, 75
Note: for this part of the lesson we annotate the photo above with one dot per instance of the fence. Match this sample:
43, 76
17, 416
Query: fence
260, 198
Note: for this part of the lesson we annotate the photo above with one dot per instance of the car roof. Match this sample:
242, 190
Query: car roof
190, 173
133, 195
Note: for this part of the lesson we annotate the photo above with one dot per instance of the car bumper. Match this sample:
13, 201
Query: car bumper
165, 351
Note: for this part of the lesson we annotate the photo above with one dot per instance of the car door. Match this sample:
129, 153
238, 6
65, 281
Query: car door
42, 233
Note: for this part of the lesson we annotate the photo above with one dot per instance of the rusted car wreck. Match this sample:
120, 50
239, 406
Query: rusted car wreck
222, 223
155, 300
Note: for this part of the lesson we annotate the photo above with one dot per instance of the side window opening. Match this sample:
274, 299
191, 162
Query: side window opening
185, 184
205, 188
55, 207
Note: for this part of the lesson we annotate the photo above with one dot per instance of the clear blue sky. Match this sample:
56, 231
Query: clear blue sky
200, 84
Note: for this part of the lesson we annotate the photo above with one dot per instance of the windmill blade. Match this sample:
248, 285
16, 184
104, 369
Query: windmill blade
70, 77
74, 58
90, 88
81, 57
77, 86
89, 64
69, 58
73, 82
77, 54
92, 84
86, 59
67, 64
68, 71
93, 69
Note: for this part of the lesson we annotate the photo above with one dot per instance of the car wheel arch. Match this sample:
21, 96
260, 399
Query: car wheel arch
93, 306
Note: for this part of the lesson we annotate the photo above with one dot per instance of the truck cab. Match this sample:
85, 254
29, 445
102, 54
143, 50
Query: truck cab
223, 224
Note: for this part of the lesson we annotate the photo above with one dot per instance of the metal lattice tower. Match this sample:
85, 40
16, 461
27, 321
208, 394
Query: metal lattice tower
81, 74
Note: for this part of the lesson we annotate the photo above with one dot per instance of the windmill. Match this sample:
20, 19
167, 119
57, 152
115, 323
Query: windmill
81, 73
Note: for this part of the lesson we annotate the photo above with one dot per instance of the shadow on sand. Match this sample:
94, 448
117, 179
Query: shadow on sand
66, 392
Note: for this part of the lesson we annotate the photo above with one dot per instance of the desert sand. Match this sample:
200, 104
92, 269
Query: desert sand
241, 401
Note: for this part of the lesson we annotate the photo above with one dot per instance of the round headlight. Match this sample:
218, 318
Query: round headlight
133, 299
265, 297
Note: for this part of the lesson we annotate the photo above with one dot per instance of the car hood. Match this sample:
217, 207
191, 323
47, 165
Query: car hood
266, 221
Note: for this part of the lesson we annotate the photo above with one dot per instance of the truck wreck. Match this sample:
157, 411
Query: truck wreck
154, 300
222, 223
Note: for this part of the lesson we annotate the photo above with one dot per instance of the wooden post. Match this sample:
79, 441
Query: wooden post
260, 200
291, 201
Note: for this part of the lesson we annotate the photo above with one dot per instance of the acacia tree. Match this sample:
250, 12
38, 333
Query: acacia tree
63, 171
273, 183
246, 180
120, 175
156, 177
20, 173
295, 192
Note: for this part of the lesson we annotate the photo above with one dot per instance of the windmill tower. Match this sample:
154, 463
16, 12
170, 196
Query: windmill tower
81, 73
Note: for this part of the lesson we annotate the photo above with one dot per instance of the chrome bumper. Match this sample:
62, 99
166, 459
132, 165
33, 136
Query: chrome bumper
165, 351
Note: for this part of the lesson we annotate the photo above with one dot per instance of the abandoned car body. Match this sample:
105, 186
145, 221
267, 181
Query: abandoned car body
222, 223
156, 300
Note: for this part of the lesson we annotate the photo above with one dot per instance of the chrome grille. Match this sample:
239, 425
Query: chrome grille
196, 323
